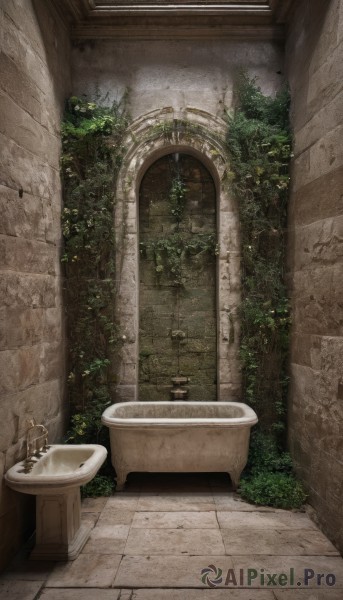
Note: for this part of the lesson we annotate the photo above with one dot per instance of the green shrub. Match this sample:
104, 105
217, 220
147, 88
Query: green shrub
273, 489
101, 485
265, 455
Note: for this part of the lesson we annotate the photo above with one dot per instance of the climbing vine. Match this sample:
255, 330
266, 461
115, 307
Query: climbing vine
259, 144
170, 252
91, 156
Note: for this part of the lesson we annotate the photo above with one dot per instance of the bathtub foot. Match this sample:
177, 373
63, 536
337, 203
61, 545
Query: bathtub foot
121, 480
235, 477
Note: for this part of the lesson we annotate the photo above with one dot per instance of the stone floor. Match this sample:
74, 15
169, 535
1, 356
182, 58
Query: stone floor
152, 542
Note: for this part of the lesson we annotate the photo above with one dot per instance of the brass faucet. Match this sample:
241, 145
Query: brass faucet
36, 444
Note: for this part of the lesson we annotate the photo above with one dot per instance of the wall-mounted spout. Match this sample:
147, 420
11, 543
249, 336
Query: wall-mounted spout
178, 392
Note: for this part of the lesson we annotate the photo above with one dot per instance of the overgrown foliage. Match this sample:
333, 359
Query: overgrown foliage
101, 485
273, 489
259, 144
91, 156
169, 252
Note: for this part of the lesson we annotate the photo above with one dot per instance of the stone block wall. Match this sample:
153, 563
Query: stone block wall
315, 68
177, 319
180, 73
34, 65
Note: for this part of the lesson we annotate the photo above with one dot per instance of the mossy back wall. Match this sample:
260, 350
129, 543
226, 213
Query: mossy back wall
177, 321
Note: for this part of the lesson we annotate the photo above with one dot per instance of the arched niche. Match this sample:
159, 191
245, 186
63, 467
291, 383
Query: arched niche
150, 137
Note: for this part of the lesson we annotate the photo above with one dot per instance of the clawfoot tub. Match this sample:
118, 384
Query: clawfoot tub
179, 437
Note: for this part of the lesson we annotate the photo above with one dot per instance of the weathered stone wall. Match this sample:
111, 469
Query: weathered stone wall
33, 85
177, 312
168, 80
315, 68
181, 73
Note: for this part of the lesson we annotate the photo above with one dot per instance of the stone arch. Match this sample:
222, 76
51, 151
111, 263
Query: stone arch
150, 137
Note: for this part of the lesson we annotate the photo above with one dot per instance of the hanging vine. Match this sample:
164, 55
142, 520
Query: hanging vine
91, 156
168, 253
259, 144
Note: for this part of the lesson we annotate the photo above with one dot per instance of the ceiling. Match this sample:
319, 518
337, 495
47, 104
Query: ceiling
186, 19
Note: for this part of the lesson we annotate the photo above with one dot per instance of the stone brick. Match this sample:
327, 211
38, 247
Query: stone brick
27, 256
20, 127
230, 236
23, 217
321, 158
316, 301
319, 199
31, 291
326, 119
21, 169
323, 83
318, 244
51, 361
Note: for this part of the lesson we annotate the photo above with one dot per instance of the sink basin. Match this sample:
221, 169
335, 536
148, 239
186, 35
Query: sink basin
55, 479
61, 468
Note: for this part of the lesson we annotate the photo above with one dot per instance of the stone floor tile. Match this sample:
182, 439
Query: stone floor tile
126, 594
175, 520
234, 502
19, 590
213, 594
328, 594
114, 516
93, 504
88, 570
258, 520
107, 539
179, 502
293, 542
283, 564
174, 541
122, 501
83, 594
166, 571
90, 517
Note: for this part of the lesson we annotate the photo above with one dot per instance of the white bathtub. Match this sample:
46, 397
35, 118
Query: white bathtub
179, 437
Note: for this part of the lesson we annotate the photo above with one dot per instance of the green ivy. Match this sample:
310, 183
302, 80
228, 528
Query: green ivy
169, 252
92, 153
259, 144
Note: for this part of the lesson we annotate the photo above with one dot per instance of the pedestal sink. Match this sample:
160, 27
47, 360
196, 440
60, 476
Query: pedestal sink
55, 479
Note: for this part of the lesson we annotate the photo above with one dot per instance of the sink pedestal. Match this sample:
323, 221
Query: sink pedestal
59, 533
55, 479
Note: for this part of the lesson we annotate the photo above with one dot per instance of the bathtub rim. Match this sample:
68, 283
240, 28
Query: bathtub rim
248, 419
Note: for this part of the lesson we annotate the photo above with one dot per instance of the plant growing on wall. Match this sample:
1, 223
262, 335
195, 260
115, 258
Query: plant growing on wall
259, 144
169, 252
91, 156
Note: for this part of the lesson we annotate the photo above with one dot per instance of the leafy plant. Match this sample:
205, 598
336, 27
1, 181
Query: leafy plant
169, 252
92, 152
177, 198
259, 144
101, 485
266, 455
273, 489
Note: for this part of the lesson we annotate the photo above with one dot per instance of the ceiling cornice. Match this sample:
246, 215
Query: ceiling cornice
185, 19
